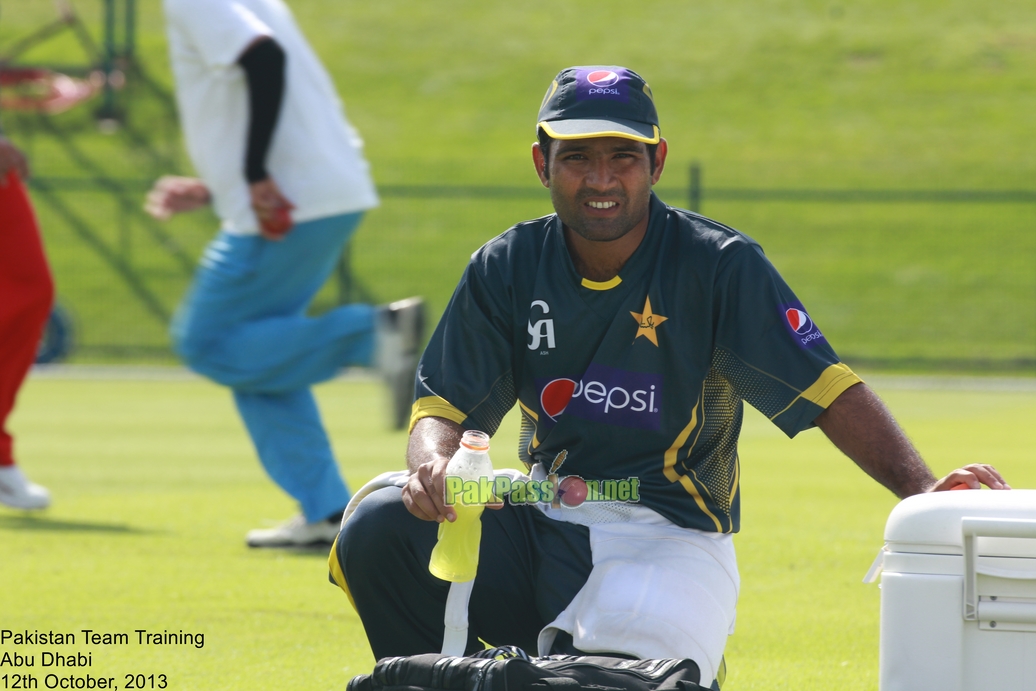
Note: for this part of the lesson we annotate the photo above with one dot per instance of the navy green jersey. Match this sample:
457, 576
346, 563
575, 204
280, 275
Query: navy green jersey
640, 376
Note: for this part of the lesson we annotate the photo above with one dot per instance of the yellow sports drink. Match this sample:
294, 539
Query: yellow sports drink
469, 483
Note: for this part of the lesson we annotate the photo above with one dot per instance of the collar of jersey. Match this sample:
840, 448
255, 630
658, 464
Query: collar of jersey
634, 266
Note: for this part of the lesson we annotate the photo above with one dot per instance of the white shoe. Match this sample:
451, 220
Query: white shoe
399, 333
295, 532
17, 492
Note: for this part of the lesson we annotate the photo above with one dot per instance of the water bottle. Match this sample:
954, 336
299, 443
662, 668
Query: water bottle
455, 556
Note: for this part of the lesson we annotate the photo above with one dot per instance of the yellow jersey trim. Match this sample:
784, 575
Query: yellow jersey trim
435, 406
828, 386
669, 467
601, 285
534, 441
607, 133
336, 573
692, 488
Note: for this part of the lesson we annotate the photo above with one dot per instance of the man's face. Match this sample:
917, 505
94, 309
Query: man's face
600, 187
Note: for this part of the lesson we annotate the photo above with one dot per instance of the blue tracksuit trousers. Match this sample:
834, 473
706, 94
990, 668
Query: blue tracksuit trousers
243, 325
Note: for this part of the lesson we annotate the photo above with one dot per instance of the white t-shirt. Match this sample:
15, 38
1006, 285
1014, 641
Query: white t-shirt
315, 157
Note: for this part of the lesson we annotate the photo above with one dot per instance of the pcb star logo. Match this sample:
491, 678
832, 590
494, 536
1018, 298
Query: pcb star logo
647, 322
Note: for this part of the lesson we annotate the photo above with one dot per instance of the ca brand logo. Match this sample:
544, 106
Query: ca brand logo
542, 329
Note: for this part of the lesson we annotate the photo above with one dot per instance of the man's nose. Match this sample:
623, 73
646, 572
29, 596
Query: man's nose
600, 175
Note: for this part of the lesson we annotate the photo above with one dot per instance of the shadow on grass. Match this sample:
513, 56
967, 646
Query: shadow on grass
42, 523
320, 550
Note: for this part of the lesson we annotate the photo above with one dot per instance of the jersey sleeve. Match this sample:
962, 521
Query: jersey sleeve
219, 30
769, 349
466, 372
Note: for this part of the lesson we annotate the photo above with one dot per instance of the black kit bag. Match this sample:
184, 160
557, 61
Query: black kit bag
515, 671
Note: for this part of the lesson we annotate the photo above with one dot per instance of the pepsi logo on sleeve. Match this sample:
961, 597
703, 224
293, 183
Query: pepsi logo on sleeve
801, 326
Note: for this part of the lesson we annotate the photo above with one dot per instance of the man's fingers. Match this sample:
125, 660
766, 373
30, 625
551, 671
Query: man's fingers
272, 209
973, 476
987, 475
173, 194
417, 502
415, 497
155, 204
265, 194
423, 495
435, 480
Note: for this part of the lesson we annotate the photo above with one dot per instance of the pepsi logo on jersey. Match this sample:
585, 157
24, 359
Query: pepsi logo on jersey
604, 394
801, 326
798, 320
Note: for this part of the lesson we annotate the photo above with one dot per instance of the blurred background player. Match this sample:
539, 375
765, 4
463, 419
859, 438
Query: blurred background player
26, 294
286, 175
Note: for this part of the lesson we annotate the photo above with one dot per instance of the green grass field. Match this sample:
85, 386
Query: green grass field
764, 93
155, 484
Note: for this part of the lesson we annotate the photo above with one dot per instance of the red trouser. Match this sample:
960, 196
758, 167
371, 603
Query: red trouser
26, 293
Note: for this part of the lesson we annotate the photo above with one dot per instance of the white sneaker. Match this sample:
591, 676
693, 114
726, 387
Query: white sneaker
17, 492
399, 333
295, 532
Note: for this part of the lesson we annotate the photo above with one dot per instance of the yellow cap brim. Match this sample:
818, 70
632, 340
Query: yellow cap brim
590, 129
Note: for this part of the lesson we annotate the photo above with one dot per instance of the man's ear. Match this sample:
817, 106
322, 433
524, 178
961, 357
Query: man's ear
660, 153
540, 162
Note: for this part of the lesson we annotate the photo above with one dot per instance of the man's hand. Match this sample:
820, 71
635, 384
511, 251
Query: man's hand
433, 442
11, 158
272, 209
971, 476
173, 194
425, 492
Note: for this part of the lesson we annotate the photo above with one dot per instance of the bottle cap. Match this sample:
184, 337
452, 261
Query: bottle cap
475, 440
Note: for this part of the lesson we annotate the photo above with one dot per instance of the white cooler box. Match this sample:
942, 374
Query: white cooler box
958, 593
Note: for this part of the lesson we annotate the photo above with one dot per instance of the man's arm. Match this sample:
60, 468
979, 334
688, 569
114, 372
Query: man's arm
174, 194
862, 428
433, 442
263, 62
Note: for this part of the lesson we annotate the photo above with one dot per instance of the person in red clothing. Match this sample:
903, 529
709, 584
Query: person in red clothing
26, 294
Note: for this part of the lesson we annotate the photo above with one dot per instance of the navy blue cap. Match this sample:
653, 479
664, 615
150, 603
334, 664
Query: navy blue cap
599, 101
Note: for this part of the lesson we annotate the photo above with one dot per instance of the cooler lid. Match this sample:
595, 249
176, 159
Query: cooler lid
931, 523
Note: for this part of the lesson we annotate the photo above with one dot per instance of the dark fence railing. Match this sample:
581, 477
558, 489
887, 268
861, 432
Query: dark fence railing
153, 266
697, 193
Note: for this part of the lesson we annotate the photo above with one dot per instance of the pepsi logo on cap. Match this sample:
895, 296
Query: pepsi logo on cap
798, 320
602, 78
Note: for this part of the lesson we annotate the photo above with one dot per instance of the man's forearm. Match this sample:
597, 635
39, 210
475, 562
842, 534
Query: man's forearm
264, 66
432, 443
862, 427
432, 438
